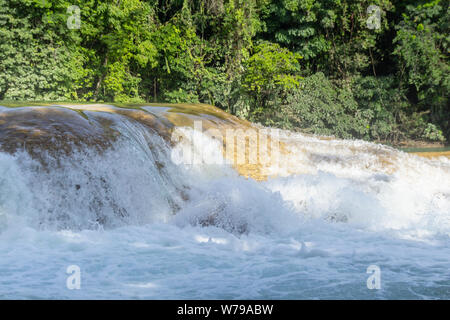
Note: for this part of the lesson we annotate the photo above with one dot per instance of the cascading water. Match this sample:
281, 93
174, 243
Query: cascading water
104, 188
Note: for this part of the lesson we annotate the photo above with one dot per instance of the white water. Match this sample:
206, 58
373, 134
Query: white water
305, 236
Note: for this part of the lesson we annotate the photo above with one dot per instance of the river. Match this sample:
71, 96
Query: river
146, 204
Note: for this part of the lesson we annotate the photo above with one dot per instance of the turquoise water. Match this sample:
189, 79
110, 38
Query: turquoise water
120, 217
439, 149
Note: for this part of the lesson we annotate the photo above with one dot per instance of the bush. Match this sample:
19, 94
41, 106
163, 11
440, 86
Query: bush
421, 48
431, 132
385, 102
368, 108
320, 107
271, 71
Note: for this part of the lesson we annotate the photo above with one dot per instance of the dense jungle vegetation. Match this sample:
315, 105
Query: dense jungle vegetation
370, 69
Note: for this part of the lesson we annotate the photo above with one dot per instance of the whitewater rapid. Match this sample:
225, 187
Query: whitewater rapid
140, 224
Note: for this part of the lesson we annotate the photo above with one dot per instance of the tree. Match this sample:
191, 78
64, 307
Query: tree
422, 46
270, 71
332, 36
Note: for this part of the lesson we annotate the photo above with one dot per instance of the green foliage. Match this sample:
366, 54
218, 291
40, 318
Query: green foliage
271, 66
432, 133
332, 36
315, 66
271, 70
37, 62
321, 107
422, 47
122, 33
371, 108
383, 103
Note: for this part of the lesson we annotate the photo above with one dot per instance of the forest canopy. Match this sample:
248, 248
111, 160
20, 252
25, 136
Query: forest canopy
375, 70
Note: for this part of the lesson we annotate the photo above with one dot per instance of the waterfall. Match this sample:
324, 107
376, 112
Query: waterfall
191, 182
